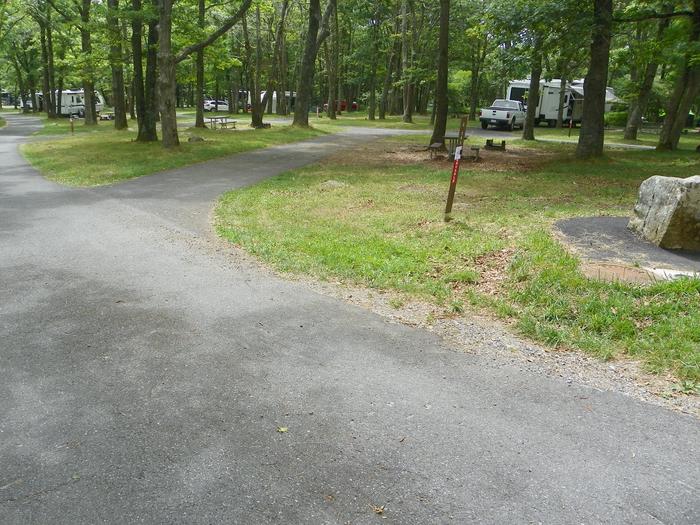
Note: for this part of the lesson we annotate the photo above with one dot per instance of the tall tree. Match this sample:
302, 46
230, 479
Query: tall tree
199, 67
592, 136
167, 61
441, 101
686, 87
316, 33
88, 72
638, 105
406, 65
116, 59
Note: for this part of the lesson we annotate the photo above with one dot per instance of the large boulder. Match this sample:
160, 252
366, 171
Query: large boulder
667, 212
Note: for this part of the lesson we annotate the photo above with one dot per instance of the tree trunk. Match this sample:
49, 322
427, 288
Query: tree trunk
384, 106
282, 103
405, 65
130, 99
199, 66
562, 96
372, 105
314, 39
144, 89
639, 106
116, 62
332, 64
55, 91
685, 90
166, 76
48, 104
441, 101
256, 117
88, 77
684, 94
137, 59
592, 135
533, 93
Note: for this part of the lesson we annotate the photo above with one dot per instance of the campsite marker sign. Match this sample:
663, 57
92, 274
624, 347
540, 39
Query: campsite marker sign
453, 183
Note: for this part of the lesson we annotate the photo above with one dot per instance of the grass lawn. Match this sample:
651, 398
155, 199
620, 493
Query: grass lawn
2, 122
359, 118
688, 140
100, 155
382, 227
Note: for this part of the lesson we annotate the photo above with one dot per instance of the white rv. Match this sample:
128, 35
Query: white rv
290, 95
73, 102
548, 103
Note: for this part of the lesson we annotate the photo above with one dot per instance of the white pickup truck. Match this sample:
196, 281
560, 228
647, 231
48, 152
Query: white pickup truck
503, 113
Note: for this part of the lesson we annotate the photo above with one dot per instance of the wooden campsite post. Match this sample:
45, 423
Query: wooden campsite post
455, 169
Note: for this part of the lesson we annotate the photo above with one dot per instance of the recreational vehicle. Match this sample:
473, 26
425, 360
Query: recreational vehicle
72, 102
548, 103
290, 95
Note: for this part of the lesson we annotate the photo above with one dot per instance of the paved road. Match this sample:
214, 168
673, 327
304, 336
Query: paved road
145, 374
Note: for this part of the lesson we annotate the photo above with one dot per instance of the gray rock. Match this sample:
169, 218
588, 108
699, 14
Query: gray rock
195, 138
332, 185
667, 212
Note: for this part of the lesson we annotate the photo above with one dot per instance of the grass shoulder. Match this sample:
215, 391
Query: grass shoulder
106, 156
378, 223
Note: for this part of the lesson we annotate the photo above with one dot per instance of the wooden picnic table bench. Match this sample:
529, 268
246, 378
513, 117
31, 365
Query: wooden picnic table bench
222, 121
452, 138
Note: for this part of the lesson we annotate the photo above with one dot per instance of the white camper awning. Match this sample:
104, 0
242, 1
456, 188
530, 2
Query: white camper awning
610, 97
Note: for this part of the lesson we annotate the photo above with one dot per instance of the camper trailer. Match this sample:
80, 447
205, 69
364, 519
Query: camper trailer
72, 102
291, 97
548, 103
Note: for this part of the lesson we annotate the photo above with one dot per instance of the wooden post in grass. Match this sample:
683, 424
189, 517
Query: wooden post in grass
455, 169
453, 183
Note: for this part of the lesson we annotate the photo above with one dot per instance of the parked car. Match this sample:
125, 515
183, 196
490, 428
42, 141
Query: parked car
215, 105
503, 113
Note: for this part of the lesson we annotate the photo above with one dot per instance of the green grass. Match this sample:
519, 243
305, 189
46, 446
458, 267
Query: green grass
359, 119
688, 140
384, 229
2, 122
100, 155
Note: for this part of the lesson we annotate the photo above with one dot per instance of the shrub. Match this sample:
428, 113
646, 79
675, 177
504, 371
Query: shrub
616, 118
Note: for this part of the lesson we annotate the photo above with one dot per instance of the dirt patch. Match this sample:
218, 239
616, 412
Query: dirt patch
616, 273
493, 270
380, 153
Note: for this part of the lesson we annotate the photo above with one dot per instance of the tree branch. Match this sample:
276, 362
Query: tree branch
652, 16
186, 52
325, 25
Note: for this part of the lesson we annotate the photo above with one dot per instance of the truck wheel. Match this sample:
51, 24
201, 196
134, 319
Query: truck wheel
484, 124
551, 123
510, 126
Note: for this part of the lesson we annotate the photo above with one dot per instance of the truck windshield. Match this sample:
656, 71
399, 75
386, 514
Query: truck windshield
500, 103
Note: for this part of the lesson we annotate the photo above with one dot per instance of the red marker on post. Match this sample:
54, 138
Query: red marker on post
453, 182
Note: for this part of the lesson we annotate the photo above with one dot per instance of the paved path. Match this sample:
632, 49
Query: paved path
144, 376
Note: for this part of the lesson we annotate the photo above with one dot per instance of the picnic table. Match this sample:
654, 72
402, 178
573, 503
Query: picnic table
452, 138
223, 122
106, 115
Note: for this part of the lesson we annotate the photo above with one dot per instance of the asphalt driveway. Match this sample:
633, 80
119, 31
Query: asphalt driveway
145, 373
